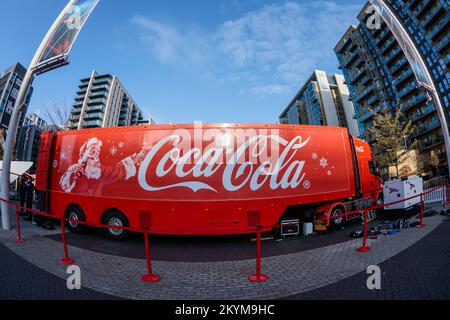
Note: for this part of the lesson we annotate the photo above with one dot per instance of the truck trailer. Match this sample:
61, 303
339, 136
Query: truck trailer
211, 179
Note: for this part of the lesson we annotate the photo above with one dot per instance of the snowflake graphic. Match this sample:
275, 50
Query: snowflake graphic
329, 172
307, 184
314, 156
113, 150
121, 144
63, 155
323, 162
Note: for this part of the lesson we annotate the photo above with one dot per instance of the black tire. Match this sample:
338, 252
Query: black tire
336, 223
116, 218
75, 213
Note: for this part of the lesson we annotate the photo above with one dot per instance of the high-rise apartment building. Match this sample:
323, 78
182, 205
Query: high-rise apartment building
28, 139
379, 76
102, 101
10, 82
323, 100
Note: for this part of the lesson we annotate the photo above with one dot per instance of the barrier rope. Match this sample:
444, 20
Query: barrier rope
257, 229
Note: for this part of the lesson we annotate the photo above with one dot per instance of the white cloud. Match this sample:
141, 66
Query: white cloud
274, 48
274, 89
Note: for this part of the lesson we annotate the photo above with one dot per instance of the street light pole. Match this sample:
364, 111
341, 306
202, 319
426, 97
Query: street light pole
15, 118
417, 63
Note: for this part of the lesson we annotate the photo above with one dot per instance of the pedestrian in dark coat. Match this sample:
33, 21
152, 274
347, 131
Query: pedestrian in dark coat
29, 197
22, 193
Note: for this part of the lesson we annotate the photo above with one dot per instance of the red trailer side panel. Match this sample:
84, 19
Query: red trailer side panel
201, 181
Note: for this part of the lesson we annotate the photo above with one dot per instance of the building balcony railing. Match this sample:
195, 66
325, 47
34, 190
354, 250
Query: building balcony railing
426, 127
355, 76
422, 113
412, 102
432, 15
92, 116
440, 27
383, 35
364, 93
349, 60
74, 118
96, 108
98, 95
405, 75
443, 44
407, 90
100, 88
398, 65
369, 114
102, 81
97, 101
388, 45
395, 53
92, 123
422, 7
372, 100
422, 146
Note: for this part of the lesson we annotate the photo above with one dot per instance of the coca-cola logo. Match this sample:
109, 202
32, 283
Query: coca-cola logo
248, 165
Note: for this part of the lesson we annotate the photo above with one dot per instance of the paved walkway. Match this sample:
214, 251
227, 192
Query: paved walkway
420, 272
290, 274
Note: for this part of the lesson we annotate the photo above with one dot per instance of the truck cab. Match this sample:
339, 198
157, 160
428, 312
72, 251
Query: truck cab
370, 183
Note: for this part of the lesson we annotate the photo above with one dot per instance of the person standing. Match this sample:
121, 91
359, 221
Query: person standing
29, 197
22, 194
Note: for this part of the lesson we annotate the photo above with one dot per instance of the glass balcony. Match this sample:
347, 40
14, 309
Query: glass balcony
100, 88
92, 123
105, 81
412, 102
432, 15
421, 8
350, 59
96, 108
422, 112
97, 101
383, 35
364, 93
405, 75
93, 116
398, 65
426, 127
440, 27
407, 90
443, 43
429, 143
98, 95
395, 52
388, 45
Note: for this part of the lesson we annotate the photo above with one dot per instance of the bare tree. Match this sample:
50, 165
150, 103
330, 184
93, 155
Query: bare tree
58, 113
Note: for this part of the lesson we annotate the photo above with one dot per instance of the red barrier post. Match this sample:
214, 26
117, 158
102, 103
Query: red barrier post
149, 277
258, 277
19, 236
421, 225
364, 247
66, 260
444, 196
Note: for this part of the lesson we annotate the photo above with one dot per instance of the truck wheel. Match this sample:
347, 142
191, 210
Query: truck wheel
118, 219
75, 213
339, 221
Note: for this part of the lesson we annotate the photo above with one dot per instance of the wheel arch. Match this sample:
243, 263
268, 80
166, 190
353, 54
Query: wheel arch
110, 210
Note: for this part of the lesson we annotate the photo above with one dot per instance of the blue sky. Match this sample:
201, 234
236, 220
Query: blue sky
183, 61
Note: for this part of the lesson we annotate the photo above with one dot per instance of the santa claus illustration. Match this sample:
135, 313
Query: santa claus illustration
90, 170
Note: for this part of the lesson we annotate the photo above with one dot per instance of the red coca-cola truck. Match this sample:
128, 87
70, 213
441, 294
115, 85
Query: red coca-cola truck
204, 179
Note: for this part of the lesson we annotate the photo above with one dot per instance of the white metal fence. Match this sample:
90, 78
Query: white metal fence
435, 196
